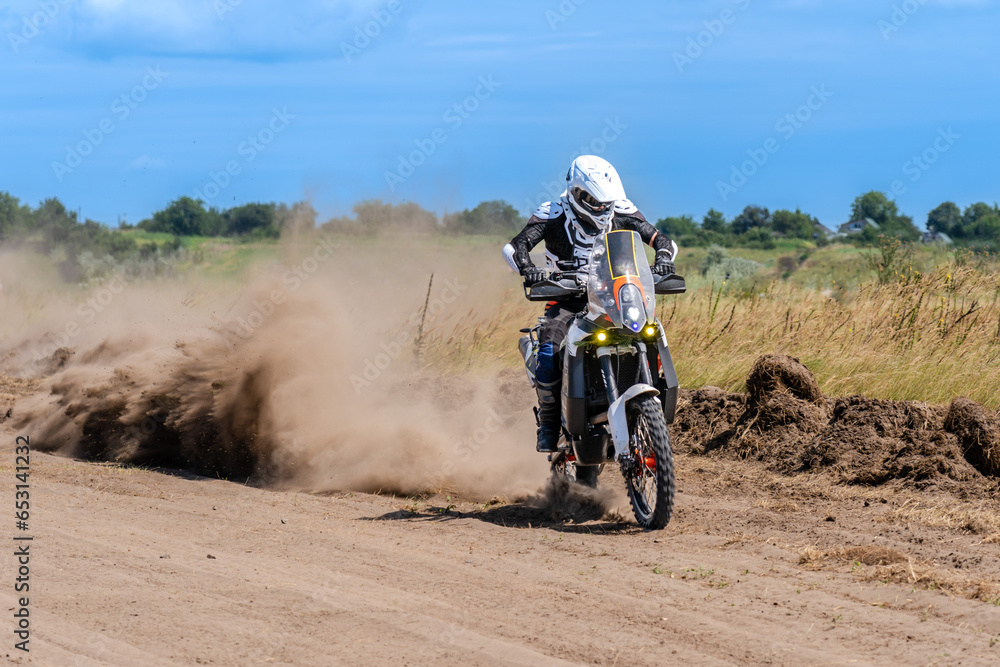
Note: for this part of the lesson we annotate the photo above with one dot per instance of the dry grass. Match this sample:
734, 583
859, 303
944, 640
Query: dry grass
932, 337
776, 505
929, 337
871, 563
979, 520
13, 388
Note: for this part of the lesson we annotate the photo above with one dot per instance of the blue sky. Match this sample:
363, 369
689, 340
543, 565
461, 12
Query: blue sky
119, 106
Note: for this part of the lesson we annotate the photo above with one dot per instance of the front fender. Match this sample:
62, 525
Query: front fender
617, 419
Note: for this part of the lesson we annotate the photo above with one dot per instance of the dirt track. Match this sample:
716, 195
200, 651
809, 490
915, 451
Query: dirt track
808, 531
134, 566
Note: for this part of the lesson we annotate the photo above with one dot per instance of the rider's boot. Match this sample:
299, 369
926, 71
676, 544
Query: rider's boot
549, 416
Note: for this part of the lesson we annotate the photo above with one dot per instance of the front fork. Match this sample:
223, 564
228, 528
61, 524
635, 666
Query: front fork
617, 417
604, 355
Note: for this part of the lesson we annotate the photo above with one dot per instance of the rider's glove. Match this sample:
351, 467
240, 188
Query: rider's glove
532, 275
664, 266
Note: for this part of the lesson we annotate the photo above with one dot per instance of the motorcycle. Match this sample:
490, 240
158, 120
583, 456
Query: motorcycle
619, 387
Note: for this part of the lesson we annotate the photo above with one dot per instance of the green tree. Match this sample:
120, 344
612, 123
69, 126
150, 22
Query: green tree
374, 216
251, 219
54, 222
677, 227
945, 218
95, 238
715, 221
15, 218
184, 217
883, 211
976, 211
751, 217
796, 225
489, 217
297, 219
757, 237
987, 227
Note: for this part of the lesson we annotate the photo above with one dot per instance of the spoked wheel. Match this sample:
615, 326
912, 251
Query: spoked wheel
649, 468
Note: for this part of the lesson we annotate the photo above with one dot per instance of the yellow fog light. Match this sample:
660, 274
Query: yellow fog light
650, 331
601, 336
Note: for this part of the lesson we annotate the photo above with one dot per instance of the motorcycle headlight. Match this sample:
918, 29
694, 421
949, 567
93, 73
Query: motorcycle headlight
632, 307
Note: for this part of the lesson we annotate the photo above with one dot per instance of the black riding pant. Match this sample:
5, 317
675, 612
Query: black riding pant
558, 316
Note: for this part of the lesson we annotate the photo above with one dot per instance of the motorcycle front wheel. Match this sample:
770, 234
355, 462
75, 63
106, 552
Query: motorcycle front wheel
649, 468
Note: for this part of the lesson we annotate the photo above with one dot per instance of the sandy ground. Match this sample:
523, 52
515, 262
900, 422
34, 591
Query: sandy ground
149, 567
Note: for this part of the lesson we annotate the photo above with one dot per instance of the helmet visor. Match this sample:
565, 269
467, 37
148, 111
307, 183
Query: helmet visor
590, 203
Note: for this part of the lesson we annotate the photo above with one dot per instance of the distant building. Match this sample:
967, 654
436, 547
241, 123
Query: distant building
856, 227
821, 231
937, 237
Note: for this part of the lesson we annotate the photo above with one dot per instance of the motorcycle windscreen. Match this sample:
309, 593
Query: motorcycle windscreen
618, 259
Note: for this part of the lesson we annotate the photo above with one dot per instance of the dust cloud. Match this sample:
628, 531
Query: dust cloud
298, 374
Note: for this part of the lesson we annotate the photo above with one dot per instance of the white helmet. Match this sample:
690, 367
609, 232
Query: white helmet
592, 188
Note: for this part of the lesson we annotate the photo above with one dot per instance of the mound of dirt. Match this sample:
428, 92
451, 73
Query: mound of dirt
870, 441
772, 373
209, 418
56, 361
784, 421
773, 428
13, 389
703, 414
978, 432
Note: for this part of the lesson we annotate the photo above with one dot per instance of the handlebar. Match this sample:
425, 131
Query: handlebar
672, 284
558, 286
565, 285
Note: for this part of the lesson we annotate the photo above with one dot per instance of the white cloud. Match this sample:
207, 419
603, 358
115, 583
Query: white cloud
231, 28
146, 162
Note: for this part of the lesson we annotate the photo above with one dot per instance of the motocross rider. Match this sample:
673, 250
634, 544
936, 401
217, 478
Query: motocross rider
594, 201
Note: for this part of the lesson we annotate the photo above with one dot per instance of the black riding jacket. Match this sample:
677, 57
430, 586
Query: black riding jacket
564, 241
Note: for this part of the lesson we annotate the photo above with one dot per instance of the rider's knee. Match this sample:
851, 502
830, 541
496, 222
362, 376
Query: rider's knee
547, 365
